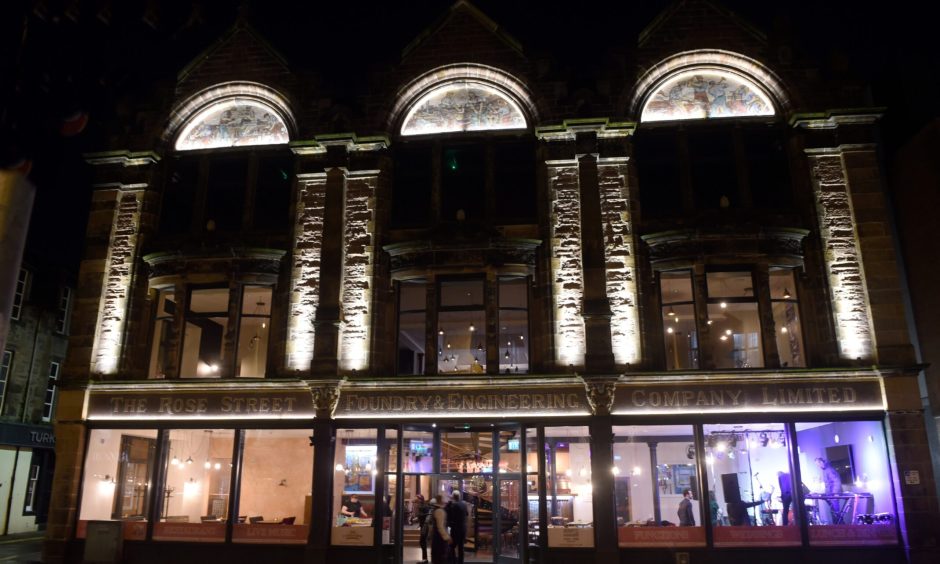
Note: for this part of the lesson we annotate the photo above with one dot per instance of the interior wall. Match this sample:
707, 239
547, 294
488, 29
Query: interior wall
277, 475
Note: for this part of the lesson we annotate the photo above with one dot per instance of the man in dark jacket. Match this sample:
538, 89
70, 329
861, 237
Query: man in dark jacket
686, 516
457, 521
423, 511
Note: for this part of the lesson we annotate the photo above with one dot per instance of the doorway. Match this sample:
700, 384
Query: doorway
483, 469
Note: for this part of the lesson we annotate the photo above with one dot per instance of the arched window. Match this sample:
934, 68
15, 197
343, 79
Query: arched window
233, 123
463, 106
705, 93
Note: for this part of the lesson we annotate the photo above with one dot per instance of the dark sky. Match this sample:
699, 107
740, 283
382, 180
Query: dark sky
66, 59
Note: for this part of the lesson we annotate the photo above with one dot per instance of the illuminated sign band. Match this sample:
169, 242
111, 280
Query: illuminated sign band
191, 404
727, 397
481, 402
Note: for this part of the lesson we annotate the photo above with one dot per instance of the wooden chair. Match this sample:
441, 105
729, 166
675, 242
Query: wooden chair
288, 520
256, 519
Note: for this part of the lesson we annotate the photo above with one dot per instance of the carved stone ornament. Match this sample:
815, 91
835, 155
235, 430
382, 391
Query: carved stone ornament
600, 395
325, 397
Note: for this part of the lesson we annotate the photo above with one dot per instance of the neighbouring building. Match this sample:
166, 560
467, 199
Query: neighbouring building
33, 355
568, 305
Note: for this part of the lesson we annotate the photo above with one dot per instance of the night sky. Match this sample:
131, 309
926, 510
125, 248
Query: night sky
65, 61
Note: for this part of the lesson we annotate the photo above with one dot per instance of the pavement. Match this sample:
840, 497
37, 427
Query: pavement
22, 548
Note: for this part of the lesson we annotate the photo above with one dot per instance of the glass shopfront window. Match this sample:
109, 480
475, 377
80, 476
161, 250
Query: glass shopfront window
195, 497
750, 487
354, 489
848, 487
118, 475
275, 500
656, 486
568, 487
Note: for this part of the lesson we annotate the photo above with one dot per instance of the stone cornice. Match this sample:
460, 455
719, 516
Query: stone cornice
831, 119
122, 157
569, 128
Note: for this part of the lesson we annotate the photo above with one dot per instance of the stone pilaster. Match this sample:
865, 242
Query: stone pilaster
119, 269
619, 251
843, 259
356, 286
305, 272
567, 277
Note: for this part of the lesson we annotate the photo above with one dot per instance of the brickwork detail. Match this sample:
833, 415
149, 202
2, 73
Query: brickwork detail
358, 261
305, 272
842, 256
116, 287
621, 262
567, 272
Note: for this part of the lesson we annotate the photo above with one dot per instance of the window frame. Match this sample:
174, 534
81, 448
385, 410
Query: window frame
702, 300
64, 314
253, 157
20, 294
52, 392
6, 367
233, 314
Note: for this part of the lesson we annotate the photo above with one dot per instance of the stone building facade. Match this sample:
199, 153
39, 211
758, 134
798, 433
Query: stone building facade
33, 356
295, 321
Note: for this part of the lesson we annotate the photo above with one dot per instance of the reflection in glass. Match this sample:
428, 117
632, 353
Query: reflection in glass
568, 485
195, 496
279, 493
513, 325
466, 452
354, 479
418, 455
254, 331
786, 318
844, 466
736, 341
117, 475
748, 471
411, 327
206, 323
160, 351
679, 330
654, 472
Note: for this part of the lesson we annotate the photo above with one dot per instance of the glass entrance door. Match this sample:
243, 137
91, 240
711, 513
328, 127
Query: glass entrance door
482, 470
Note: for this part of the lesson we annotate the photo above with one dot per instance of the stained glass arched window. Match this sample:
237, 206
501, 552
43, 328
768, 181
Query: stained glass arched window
233, 123
706, 94
463, 106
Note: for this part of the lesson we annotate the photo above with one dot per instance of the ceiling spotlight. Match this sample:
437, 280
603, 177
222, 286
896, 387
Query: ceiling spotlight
786, 294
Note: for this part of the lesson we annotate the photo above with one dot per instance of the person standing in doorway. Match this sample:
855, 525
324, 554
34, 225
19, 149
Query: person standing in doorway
686, 516
457, 521
440, 540
423, 511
